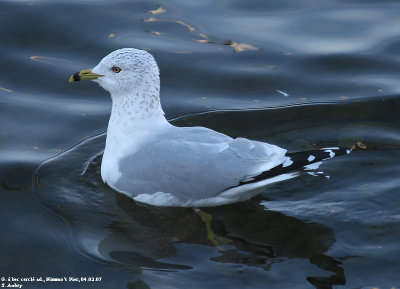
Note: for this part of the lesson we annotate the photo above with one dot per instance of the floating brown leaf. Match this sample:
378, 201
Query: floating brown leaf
188, 26
6, 90
159, 10
42, 59
240, 47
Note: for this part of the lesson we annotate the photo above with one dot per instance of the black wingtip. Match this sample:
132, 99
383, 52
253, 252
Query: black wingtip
299, 160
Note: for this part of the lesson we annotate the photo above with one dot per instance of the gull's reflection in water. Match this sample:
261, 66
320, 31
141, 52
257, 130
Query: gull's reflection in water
112, 228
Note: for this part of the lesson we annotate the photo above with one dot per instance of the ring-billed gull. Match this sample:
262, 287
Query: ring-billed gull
157, 163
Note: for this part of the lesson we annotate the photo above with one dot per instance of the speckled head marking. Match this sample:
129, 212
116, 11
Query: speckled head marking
136, 69
132, 78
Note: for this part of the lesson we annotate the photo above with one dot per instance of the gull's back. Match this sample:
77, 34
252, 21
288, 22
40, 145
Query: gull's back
190, 164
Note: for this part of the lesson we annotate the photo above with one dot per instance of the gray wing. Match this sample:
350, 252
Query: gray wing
195, 163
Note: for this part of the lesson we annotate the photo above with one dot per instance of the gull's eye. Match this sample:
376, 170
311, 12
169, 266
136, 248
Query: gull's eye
116, 69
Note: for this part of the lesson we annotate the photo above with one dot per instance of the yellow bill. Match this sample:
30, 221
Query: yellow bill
84, 75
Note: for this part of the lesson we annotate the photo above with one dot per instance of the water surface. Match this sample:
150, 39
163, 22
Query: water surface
301, 75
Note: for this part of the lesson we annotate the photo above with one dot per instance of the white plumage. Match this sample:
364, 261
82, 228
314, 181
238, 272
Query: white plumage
155, 162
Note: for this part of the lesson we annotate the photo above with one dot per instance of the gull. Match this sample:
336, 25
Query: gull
154, 162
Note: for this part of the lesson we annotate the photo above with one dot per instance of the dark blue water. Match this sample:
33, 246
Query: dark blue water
299, 74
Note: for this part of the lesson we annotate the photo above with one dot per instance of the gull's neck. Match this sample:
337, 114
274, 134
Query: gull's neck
136, 111
136, 117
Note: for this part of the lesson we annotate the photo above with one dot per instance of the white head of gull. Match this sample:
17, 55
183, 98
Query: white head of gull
157, 163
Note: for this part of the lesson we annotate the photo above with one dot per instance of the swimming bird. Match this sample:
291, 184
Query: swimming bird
154, 162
